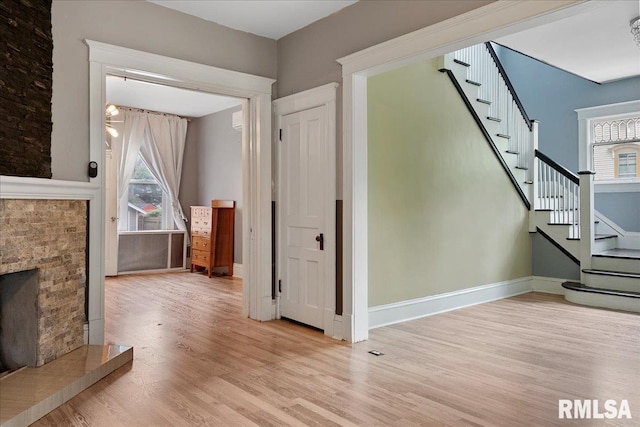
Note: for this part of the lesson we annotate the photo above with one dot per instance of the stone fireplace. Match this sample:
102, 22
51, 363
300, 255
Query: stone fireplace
49, 236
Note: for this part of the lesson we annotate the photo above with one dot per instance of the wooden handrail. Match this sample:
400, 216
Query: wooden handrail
558, 167
503, 73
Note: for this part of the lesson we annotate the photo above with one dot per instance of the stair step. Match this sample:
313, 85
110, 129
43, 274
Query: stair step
620, 253
502, 135
575, 286
621, 260
601, 297
494, 119
457, 61
611, 273
605, 236
511, 152
473, 83
484, 101
612, 280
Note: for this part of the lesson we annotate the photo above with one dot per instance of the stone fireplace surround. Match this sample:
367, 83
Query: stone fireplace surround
44, 226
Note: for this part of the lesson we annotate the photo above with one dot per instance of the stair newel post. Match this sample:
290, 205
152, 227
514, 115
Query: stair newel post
586, 219
534, 175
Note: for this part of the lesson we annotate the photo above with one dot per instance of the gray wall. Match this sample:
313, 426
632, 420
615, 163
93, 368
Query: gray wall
443, 215
551, 96
549, 261
137, 25
213, 167
621, 208
307, 57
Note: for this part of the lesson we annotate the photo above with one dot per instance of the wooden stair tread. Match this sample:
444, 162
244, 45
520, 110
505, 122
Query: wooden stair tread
619, 253
604, 236
611, 273
575, 286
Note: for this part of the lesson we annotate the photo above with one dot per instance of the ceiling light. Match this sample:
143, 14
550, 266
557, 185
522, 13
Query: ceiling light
112, 131
112, 110
635, 30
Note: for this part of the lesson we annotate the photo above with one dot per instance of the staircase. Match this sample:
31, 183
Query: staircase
560, 202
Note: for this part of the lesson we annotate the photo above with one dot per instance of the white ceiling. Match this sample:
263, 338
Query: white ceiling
596, 44
166, 99
267, 18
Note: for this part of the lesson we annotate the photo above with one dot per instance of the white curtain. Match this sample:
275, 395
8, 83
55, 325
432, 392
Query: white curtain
160, 140
131, 126
162, 151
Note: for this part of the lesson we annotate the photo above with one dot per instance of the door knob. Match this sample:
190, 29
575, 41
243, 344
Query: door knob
113, 219
320, 238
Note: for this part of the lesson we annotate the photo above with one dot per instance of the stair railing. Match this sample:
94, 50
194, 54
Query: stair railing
558, 191
505, 105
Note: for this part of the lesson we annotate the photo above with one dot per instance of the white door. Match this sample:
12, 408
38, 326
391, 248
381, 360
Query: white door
303, 200
111, 213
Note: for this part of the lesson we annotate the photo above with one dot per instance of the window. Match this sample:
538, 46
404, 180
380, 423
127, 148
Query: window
615, 144
627, 165
148, 207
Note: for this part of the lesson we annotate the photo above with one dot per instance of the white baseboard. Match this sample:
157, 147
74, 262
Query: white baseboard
549, 285
237, 270
402, 311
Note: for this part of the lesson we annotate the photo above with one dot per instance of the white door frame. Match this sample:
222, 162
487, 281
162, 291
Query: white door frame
318, 97
488, 22
256, 163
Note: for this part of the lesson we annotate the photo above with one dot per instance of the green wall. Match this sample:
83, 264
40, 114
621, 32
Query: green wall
443, 215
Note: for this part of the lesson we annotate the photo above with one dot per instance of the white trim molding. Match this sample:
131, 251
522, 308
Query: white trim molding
496, 19
237, 270
548, 285
585, 116
617, 186
107, 59
389, 314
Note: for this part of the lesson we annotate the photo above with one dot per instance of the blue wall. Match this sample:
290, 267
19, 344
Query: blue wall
551, 96
621, 208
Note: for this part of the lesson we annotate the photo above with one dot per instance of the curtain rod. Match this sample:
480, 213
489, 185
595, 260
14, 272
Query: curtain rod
144, 110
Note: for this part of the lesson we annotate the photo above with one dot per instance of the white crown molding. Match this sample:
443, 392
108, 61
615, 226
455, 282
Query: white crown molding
159, 66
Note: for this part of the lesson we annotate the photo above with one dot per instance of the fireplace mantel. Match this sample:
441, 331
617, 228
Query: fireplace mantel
13, 187
24, 188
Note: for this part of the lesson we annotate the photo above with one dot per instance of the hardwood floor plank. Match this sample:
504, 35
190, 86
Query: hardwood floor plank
197, 361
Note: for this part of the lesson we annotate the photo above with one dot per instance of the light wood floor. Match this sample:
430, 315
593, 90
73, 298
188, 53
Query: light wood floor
505, 363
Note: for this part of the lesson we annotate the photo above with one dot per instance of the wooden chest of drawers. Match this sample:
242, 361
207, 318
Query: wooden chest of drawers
212, 235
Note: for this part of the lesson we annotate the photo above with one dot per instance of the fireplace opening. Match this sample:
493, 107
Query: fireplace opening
19, 319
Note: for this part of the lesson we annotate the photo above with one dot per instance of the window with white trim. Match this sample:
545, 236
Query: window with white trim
615, 144
148, 207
